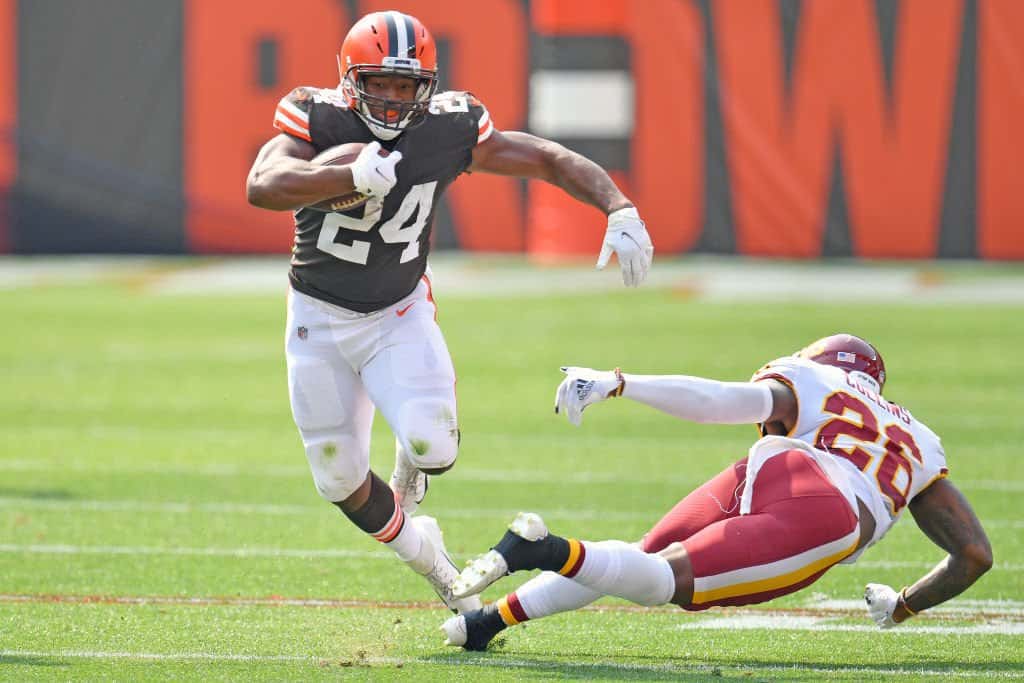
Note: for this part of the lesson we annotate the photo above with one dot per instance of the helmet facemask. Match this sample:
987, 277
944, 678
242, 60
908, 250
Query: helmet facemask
386, 118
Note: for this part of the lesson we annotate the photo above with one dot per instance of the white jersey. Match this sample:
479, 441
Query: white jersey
887, 457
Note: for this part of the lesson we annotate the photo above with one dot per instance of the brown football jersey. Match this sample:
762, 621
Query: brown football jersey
370, 257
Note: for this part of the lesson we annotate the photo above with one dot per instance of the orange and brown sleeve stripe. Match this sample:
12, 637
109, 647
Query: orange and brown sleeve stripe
392, 528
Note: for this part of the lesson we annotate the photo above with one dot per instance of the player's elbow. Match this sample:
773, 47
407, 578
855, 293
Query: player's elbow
556, 161
256, 191
977, 557
980, 556
261, 195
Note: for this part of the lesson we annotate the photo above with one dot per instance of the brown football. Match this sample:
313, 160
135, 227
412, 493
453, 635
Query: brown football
339, 156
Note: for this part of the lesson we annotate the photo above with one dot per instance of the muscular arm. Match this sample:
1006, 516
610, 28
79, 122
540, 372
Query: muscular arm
282, 178
527, 156
945, 516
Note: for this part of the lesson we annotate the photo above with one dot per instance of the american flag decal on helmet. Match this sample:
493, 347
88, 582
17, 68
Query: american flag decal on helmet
846, 357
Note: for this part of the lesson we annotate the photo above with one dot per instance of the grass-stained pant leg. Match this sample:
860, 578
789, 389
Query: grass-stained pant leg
329, 404
411, 380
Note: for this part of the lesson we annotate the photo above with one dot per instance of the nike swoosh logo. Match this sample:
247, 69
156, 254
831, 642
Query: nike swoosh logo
402, 311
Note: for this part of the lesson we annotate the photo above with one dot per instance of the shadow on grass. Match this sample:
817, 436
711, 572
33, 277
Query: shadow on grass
672, 669
659, 669
35, 494
32, 660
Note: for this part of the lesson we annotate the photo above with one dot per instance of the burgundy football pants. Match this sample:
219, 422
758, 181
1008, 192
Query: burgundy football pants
799, 525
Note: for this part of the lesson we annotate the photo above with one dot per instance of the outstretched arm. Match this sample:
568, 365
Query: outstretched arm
945, 516
527, 156
690, 398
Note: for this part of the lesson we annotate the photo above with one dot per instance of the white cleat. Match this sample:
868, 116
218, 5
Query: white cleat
454, 630
479, 574
528, 526
443, 573
491, 566
409, 485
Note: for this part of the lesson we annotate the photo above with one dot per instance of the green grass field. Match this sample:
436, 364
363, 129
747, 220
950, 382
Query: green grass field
157, 519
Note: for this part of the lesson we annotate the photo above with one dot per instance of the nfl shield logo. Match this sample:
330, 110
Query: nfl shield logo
303, 333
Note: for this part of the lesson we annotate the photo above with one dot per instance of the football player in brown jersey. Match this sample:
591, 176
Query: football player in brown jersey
836, 467
362, 333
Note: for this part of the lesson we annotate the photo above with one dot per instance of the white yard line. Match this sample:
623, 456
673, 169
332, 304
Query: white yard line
310, 553
500, 661
483, 475
156, 656
773, 622
696, 277
963, 606
284, 510
68, 549
281, 510
300, 469
814, 607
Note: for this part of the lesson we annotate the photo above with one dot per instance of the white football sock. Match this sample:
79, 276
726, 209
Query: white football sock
550, 593
411, 548
623, 570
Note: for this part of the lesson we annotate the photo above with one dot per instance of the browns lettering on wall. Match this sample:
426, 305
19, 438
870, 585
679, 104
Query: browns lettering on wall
786, 133
797, 129
240, 59
1001, 129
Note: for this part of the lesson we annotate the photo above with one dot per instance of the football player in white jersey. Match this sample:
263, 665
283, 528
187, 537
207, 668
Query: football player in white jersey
362, 332
835, 468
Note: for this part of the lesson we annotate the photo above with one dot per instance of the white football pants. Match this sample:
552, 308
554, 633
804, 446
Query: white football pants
343, 364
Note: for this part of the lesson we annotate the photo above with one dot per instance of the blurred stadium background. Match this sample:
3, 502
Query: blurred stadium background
863, 128
804, 166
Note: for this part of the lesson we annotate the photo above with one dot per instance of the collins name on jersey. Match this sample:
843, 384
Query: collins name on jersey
887, 455
370, 257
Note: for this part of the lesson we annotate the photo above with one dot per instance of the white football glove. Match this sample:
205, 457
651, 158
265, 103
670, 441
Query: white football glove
881, 602
628, 238
582, 387
372, 174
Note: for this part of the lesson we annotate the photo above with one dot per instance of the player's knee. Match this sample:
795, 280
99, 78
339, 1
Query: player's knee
434, 471
429, 435
432, 453
682, 569
338, 467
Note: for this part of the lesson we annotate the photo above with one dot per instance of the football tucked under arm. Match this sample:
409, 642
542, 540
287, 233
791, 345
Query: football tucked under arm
339, 155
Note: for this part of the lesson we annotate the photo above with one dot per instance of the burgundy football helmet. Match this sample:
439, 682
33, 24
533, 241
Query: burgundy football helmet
847, 352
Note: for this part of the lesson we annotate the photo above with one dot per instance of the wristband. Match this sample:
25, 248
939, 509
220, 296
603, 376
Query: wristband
617, 391
903, 602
